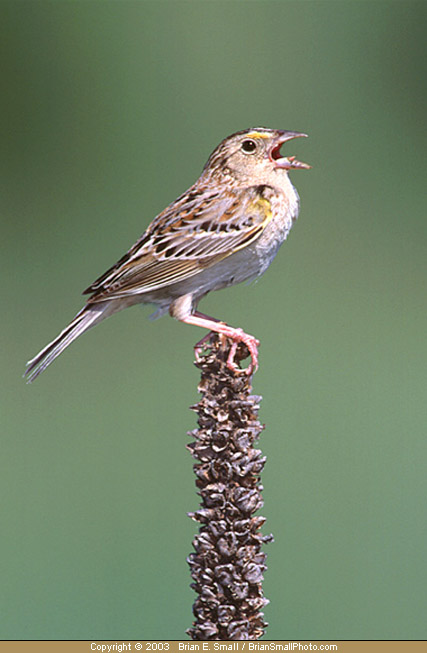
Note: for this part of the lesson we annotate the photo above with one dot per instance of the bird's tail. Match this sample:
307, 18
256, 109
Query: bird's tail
90, 315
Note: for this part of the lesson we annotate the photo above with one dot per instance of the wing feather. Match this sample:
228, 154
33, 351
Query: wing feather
195, 232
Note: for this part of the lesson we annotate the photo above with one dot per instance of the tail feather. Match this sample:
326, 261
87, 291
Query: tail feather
87, 318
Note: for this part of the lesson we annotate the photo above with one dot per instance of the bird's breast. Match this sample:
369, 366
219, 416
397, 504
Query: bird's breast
284, 209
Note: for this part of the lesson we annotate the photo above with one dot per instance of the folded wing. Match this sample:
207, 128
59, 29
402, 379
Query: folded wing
195, 232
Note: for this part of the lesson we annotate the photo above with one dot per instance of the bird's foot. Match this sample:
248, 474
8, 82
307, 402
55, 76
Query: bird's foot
251, 343
235, 335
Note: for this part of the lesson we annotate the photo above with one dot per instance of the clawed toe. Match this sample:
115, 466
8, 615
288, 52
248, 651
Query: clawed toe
252, 344
235, 335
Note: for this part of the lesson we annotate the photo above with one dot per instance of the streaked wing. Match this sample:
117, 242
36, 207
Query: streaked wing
196, 231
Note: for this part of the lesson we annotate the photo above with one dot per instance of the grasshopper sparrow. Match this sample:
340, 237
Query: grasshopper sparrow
225, 229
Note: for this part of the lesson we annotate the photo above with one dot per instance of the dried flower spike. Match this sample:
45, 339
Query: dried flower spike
227, 564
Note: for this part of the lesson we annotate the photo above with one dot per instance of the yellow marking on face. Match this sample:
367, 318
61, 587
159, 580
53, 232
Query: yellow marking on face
257, 135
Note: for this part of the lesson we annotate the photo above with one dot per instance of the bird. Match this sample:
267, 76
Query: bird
225, 229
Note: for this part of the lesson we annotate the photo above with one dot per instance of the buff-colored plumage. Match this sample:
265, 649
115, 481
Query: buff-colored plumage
225, 229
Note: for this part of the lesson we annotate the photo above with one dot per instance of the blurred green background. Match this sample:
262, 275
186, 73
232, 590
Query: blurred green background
109, 111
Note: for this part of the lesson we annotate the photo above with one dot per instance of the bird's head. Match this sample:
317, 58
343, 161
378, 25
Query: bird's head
254, 154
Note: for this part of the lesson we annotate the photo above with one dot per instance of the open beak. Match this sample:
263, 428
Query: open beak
286, 162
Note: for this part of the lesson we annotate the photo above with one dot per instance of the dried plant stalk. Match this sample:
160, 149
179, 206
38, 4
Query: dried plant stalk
227, 564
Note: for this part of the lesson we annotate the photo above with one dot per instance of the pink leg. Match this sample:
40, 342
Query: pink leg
236, 335
199, 346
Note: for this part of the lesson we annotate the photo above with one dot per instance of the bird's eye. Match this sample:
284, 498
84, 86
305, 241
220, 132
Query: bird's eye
248, 146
